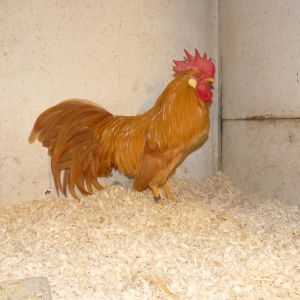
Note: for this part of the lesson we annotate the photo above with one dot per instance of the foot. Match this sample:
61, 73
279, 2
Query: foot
168, 192
155, 192
157, 198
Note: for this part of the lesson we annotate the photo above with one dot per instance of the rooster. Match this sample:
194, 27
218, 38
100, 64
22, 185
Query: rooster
85, 141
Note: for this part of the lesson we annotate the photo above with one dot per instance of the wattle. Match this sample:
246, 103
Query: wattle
204, 91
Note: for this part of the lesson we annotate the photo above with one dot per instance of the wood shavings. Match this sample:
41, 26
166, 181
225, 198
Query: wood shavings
224, 216
36, 288
210, 243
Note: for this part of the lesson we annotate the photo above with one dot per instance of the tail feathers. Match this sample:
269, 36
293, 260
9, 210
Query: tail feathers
67, 130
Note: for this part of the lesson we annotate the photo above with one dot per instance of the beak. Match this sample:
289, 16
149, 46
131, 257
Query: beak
210, 81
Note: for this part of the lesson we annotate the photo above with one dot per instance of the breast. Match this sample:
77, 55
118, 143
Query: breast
200, 127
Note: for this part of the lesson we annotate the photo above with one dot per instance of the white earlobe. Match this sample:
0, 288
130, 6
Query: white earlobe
193, 82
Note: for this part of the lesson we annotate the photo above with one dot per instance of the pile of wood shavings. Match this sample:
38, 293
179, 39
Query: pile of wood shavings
210, 243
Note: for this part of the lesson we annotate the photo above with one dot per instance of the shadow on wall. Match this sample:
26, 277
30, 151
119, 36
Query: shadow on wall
153, 91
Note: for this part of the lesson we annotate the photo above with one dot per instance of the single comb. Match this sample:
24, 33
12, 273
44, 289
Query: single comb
201, 64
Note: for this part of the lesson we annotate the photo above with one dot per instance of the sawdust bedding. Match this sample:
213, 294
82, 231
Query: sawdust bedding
210, 243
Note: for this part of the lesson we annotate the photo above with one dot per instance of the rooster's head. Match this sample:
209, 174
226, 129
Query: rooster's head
202, 77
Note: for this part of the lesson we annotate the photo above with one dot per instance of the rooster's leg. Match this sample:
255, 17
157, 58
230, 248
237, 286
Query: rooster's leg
155, 192
168, 192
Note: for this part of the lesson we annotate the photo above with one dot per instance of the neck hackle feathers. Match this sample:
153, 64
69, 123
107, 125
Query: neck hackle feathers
198, 63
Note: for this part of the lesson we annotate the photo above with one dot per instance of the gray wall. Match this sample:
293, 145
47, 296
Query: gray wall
117, 53
261, 95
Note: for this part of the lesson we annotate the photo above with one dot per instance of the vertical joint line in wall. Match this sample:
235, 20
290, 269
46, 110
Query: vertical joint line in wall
220, 95
220, 116
217, 126
215, 112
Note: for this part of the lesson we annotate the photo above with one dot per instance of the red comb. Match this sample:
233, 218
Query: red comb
201, 64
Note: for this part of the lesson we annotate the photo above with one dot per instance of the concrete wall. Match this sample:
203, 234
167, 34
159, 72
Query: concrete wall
261, 81
117, 53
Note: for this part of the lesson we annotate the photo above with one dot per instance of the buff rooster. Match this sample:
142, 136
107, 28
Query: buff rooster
86, 142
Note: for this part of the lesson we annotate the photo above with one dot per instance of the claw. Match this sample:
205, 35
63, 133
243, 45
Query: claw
157, 198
